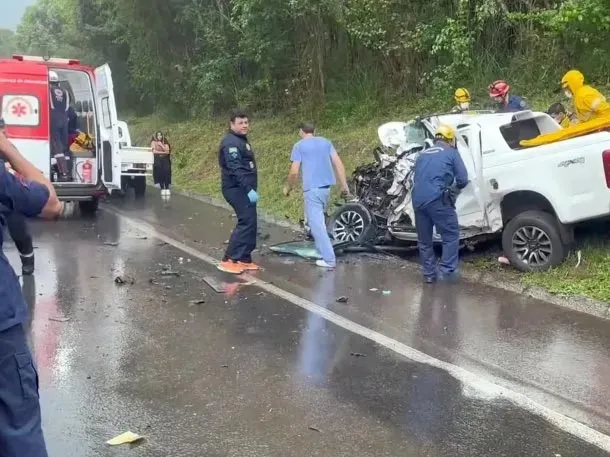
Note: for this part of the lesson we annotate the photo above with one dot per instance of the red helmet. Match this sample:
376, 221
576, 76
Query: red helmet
498, 88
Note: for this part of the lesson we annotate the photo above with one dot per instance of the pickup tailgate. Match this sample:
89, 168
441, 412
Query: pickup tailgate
132, 154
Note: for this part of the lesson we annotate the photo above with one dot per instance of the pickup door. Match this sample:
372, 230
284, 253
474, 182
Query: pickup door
109, 128
476, 213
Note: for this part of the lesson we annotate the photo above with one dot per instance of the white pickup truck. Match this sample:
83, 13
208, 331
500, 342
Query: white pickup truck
532, 196
136, 162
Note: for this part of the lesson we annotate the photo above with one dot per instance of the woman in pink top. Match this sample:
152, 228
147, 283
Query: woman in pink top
162, 168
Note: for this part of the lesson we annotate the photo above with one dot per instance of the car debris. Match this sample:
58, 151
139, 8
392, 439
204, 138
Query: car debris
169, 272
125, 438
120, 281
342, 299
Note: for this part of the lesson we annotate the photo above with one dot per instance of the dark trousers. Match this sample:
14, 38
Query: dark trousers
20, 421
243, 238
18, 229
59, 145
162, 171
444, 217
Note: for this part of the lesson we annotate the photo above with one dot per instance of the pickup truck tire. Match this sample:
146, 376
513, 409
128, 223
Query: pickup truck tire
532, 241
352, 223
88, 208
139, 186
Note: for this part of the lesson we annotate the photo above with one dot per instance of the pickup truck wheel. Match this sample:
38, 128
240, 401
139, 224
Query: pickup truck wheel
89, 208
124, 185
353, 224
532, 241
139, 186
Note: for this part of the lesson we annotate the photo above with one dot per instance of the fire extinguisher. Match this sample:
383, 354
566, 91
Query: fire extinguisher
87, 167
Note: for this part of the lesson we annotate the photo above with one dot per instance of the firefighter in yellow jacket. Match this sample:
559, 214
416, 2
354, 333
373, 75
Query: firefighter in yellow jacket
589, 103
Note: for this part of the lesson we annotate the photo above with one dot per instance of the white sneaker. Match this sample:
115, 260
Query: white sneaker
167, 192
323, 264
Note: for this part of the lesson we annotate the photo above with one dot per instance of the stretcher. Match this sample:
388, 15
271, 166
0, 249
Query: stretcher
573, 131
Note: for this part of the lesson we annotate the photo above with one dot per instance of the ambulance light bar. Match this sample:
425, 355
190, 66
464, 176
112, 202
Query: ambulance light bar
22, 58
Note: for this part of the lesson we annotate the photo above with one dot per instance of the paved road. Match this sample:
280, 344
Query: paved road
279, 368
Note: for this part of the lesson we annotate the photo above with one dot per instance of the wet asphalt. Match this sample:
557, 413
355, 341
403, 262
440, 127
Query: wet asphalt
246, 373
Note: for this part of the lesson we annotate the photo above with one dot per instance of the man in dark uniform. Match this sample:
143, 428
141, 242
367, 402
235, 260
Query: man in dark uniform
439, 174
60, 103
18, 229
20, 420
239, 184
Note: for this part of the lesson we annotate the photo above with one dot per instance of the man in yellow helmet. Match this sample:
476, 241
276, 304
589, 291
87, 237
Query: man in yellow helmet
439, 175
462, 98
589, 103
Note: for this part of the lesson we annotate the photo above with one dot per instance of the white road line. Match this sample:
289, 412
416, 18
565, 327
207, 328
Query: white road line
468, 378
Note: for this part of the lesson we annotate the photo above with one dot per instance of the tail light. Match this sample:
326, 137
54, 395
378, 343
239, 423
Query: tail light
606, 161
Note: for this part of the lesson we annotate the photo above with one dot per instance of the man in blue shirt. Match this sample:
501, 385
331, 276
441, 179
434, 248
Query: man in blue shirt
439, 175
31, 194
498, 91
316, 156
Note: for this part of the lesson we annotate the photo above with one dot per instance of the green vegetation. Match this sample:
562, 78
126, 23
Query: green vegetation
7, 43
180, 65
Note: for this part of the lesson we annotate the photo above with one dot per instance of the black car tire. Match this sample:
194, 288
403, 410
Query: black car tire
353, 217
540, 228
139, 186
89, 207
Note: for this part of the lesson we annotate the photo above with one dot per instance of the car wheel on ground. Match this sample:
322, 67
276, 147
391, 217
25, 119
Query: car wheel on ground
352, 223
139, 186
532, 241
89, 207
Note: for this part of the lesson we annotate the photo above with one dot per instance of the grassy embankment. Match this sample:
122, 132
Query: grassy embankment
195, 169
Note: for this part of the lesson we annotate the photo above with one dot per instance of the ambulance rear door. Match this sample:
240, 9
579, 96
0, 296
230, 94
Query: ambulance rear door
24, 106
110, 154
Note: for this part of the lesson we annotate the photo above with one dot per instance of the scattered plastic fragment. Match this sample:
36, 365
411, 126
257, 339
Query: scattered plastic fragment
197, 302
503, 260
374, 289
342, 299
124, 438
314, 429
357, 354
169, 273
59, 319
387, 292
122, 281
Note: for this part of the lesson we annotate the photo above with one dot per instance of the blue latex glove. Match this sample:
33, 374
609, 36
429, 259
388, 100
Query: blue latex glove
252, 196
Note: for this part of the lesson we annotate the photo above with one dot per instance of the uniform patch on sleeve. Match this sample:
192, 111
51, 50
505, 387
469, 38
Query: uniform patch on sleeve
234, 152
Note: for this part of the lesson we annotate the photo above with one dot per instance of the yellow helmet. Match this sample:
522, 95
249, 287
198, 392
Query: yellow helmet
445, 132
462, 95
